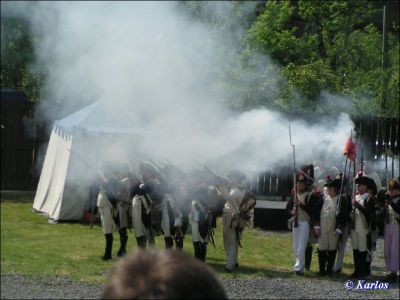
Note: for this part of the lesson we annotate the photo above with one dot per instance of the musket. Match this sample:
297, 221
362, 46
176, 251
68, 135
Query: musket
211, 232
390, 146
362, 160
154, 164
210, 172
393, 166
348, 178
353, 210
386, 169
296, 201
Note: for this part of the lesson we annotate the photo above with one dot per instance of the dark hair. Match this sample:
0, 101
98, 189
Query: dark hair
165, 274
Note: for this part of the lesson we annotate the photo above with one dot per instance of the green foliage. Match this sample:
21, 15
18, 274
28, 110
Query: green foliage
327, 46
17, 55
309, 79
273, 34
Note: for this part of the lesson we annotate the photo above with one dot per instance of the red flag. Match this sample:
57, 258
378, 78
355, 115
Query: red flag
350, 149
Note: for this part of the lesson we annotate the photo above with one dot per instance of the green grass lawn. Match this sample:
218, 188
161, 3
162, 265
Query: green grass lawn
32, 246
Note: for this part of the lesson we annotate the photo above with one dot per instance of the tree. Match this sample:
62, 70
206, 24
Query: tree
326, 46
17, 55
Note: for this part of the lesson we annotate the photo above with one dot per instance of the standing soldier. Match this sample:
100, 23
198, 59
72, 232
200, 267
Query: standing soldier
172, 219
373, 235
333, 222
304, 208
232, 224
392, 220
142, 203
345, 220
184, 203
199, 217
362, 213
124, 207
107, 204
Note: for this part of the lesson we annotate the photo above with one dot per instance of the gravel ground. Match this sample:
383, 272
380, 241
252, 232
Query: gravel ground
16, 286
20, 287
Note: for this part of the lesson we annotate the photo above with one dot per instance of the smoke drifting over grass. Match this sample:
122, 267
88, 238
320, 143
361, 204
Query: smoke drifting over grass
159, 68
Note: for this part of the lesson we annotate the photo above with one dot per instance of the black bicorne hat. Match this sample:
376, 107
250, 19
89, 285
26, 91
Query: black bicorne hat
336, 182
368, 181
306, 174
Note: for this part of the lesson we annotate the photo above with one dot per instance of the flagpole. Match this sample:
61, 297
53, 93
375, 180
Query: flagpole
348, 152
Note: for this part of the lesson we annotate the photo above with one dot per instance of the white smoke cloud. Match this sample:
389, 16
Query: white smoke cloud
160, 69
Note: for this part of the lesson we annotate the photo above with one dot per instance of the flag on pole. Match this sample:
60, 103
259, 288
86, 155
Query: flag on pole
350, 149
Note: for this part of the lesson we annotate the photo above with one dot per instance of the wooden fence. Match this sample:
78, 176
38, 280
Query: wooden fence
23, 142
17, 148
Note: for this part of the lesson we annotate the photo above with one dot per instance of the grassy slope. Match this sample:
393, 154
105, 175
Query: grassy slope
31, 246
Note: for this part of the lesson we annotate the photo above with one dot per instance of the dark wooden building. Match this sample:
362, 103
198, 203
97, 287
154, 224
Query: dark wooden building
24, 140
17, 141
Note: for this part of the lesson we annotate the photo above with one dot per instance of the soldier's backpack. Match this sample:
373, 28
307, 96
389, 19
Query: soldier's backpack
248, 203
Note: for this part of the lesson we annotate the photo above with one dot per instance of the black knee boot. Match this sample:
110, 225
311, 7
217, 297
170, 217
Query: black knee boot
108, 249
197, 250
368, 264
322, 262
141, 242
179, 243
169, 243
308, 257
356, 261
331, 261
123, 239
152, 241
203, 251
363, 264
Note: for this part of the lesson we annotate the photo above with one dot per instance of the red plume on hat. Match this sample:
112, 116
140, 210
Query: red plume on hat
350, 149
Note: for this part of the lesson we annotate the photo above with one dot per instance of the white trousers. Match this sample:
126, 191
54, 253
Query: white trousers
328, 240
123, 209
231, 244
107, 221
300, 239
359, 240
138, 226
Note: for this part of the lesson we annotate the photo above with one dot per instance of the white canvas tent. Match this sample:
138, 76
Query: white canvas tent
72, 158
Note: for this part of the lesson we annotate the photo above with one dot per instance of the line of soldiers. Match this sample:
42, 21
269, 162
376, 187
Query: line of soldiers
165, 200
329, 217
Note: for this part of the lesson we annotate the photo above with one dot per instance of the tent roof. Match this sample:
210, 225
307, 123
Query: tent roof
100, 117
